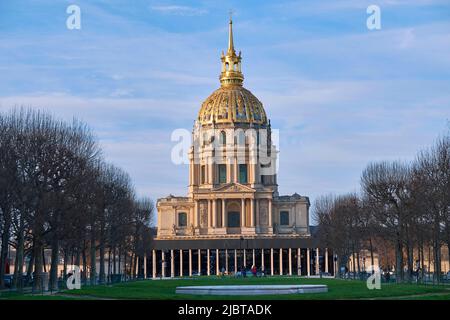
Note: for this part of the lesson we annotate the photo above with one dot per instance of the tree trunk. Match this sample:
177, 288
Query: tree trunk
399, 261
437, 262
4, 248
102, 262
93, 261
53, 285
372, 260
30, 263
38, 265
84, 274
66, 257
18, 270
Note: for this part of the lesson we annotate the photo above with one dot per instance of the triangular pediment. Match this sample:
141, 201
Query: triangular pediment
233, 187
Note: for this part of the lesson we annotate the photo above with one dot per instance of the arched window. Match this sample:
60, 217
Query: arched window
223, 138
227, 66
239, 138
182, 219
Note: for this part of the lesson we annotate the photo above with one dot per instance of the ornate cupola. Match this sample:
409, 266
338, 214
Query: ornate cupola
231, 63
232, 104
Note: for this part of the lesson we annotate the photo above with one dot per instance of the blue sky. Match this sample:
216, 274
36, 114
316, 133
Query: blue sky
340, 94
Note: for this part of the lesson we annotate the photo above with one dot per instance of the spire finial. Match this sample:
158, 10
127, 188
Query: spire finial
231, 63
230, 34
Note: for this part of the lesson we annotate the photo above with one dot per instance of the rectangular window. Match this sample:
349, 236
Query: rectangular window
222, 173
203, 174
182, 219
242, 173
284, 218
234, 219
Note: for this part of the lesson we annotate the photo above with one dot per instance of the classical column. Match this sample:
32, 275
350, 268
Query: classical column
290, 261
196, 217
235, 166
209, 214
199, 258
281, 262
326, 260
262, 259
214, 213
271, 261
181, 263
235, 261
208, 272
245, 258
153, 264
253, 256
242, 212
163, 265
308, 263
226, 261
224, 223
257, 213
317, 261
270, 214
252, 213
299, 262
172, 264
217, 262
145, 266
190, 262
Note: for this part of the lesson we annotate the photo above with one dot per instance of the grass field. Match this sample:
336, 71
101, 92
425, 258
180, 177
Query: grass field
165, 289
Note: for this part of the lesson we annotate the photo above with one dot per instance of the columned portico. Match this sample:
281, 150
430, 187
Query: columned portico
181, 263
308, 263
271, 261
208, 257
217, 262
290, 261
317, 261
262, 260
172, 264
281, 262
235, 261
190, 262
153, 263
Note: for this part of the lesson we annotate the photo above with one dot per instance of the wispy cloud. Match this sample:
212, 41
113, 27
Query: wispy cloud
179, 10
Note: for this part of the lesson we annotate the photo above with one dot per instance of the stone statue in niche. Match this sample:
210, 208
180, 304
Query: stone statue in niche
174, 229
264, 221
203, 215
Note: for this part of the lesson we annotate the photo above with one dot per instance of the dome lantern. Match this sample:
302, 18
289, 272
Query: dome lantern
231, 63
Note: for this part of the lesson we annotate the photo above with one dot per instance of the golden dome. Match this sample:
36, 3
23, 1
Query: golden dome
232, 103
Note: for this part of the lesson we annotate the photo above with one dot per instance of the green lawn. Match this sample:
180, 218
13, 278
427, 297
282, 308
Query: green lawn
165, 289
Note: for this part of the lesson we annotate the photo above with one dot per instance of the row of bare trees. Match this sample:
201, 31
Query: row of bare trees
58, 194
402, 208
